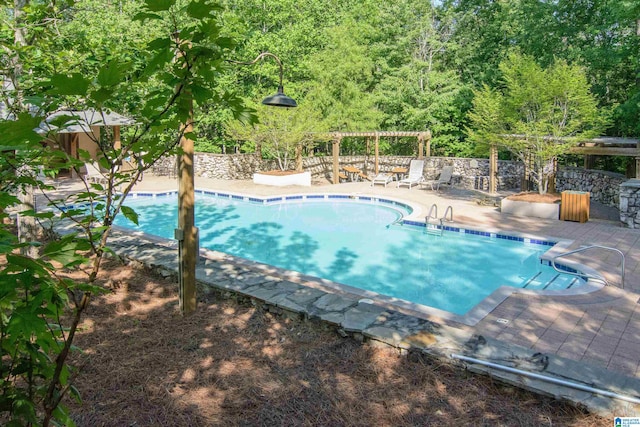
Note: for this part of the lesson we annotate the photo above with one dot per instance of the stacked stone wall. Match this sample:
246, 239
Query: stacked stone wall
603, 186
630, 203
468, 173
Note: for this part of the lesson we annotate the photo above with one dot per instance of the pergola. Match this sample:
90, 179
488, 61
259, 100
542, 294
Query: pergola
424, 138
602, 146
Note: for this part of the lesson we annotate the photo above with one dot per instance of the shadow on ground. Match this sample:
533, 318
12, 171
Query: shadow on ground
231, 364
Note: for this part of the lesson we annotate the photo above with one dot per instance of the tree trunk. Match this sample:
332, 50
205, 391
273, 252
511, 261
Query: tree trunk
27, 228
299, 158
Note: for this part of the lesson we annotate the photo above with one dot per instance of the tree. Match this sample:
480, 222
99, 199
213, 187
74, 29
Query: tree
40, 310
537, 113
282, 134
343, 80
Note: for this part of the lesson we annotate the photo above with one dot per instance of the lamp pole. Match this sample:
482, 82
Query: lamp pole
187, 233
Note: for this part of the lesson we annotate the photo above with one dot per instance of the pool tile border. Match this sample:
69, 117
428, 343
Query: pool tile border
406, 220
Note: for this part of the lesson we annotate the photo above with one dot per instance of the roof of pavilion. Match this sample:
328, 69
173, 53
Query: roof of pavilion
81, 121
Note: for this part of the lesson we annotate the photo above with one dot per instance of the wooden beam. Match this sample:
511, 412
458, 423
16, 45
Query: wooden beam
427, 138
493, 169
606, 151
116, 138
187, 233
336, 160
377, 153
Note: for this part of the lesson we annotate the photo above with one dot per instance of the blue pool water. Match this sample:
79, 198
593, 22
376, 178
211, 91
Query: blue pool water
354, 243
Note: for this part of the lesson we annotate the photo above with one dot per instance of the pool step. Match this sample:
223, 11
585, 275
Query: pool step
551, 280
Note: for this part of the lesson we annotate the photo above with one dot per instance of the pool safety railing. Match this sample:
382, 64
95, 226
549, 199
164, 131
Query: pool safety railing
430, 227
399, 221
449, 211
590, 276
433, 224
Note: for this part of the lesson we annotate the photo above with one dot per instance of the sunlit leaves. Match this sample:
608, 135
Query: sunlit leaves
19, 134
67, 250
201, 8
159, 5
130, 214
111, 73
538, 112
68, 84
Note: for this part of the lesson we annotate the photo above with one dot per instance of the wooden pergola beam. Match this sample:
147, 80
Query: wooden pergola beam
606, 151
493, 169
336, 159
380, 133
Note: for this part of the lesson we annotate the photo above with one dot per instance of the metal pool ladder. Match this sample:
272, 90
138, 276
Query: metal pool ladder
582, 249
432, 217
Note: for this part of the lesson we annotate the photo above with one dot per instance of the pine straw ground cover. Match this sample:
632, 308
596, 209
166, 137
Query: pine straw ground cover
232, 364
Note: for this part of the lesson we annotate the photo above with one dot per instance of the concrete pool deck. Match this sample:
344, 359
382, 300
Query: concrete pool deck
591, 339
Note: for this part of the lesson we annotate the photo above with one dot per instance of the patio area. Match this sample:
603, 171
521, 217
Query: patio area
600, 330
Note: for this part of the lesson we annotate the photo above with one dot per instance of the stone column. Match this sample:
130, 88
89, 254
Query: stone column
630, 203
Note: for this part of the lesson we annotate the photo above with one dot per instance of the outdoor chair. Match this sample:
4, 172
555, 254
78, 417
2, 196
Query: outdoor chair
446, 174
382, 178
415, 174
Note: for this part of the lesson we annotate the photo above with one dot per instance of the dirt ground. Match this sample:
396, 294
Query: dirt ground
232, 364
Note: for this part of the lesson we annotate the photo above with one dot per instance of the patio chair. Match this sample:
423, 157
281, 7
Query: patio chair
382, 178
444, 178
415, 174
94, 174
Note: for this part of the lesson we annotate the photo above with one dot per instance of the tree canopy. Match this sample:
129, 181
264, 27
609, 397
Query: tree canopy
366, 65
537, 113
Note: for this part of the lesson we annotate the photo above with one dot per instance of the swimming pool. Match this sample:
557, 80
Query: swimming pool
358, 242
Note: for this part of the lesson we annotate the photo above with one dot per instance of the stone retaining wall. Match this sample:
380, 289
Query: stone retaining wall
468, 173
604, 186
630, 203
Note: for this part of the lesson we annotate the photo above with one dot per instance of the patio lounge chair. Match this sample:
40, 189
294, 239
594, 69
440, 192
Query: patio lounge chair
415, 174
444, 178
382, 178
94, 174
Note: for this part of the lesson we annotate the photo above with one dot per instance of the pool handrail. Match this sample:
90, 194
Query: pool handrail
582, 249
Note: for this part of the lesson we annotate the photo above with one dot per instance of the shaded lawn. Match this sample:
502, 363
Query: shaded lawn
234, 364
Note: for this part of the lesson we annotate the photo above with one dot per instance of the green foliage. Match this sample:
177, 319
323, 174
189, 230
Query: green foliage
155, 78
352, 65
538, 114
282, 133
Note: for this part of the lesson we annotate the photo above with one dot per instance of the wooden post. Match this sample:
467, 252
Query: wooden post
493, 169
336, 159
117, 144
186, 233
428, 142
367, 152
420, 145
525, 177
377, 153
